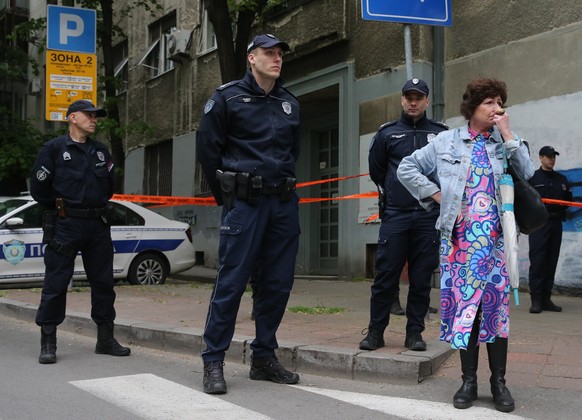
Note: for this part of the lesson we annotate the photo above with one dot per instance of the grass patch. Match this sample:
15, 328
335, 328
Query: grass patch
316, 310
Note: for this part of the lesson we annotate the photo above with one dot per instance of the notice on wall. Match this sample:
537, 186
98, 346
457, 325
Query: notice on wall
70, 76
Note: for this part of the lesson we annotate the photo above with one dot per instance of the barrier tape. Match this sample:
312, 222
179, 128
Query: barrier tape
209, 201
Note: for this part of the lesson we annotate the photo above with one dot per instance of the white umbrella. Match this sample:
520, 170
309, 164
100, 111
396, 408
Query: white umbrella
509, 232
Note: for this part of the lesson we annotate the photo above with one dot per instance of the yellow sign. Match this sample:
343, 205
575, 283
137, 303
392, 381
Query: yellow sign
70, 76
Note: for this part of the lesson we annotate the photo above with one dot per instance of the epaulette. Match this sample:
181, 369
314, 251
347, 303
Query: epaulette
387, 124
222, 87
442, 124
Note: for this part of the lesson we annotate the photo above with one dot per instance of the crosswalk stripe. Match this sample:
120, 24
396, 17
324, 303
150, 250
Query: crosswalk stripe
409, 408
151, 397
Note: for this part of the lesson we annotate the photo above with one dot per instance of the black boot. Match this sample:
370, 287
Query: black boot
213, 381
548, 305
497, 352
106, 343
536, 305
467, 393
374, 340
396, 308
48, 344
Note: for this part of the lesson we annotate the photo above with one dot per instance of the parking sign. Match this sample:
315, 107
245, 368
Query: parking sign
71, 29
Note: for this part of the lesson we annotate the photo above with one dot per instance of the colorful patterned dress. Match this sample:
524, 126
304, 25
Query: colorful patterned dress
473, 271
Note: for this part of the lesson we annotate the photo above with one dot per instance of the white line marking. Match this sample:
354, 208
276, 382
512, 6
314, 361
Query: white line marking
151, 397
409, 408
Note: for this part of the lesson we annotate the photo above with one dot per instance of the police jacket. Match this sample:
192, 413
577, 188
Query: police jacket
394, 141
80, 173
244, 129
552, 184
443, 165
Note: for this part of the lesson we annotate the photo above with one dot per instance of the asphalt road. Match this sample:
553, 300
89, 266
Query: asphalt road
157, 385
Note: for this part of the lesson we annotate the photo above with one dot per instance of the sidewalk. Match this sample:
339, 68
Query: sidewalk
544, 349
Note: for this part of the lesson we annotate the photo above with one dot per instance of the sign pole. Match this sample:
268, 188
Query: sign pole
408, 50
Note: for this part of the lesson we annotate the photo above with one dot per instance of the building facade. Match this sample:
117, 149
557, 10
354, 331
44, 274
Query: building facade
347, 74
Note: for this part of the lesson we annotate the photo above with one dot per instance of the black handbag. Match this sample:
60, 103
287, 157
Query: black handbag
528, 207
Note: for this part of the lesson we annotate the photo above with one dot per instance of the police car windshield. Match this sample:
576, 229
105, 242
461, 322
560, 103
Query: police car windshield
11, 204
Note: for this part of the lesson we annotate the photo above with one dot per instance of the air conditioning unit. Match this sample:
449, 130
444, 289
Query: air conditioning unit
178, 43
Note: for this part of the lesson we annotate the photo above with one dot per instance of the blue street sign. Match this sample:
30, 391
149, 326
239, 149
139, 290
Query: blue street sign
426, 12
71, 29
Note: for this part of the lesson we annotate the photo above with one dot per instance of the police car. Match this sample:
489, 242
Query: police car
147, 245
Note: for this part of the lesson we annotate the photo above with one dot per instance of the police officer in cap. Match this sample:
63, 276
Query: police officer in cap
72, 179
407, 231
248, 145
544, 243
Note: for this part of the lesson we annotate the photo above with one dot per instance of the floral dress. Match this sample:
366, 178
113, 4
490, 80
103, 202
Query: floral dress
473, 270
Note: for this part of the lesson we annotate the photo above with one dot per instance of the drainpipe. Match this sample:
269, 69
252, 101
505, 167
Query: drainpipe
438, 96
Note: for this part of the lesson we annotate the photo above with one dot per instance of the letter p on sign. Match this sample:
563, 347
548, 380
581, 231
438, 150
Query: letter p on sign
71, 26
71, 29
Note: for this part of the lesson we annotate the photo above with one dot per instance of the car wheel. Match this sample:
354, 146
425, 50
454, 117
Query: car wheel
147, 269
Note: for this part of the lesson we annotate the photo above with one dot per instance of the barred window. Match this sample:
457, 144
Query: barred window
157, 178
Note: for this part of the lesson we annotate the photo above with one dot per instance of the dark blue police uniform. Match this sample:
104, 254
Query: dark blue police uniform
81, 174
407, 232
252, 138
545, 243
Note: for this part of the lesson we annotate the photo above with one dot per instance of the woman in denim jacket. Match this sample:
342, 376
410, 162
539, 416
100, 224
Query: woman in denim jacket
460, 169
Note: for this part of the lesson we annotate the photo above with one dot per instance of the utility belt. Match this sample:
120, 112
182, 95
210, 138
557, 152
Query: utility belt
249, 188
95, 213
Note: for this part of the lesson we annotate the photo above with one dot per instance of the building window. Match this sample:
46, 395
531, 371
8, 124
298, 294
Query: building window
121, 71
156, 57
208, 37
157, 178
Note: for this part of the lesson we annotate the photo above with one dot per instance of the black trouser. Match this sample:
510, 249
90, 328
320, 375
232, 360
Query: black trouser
544, 251
404, 236
93, 238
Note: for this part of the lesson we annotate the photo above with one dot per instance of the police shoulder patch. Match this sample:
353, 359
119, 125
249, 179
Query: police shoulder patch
209, 105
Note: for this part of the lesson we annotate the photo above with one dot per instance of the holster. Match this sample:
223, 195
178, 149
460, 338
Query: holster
227, 187
48, 225
288, 189
381, 200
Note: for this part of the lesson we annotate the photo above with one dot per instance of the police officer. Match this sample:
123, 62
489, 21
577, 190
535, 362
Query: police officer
73, 179
407, 231
248, 145
544, 243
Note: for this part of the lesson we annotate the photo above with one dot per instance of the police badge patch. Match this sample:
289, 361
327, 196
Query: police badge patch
14, 251
286, 108
208, 106
41, 175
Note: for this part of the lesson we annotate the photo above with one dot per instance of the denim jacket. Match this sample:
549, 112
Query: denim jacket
443, 165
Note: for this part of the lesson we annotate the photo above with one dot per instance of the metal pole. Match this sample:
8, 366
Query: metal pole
408, 50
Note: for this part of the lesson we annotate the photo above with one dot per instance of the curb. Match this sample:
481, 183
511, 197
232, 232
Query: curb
406, 367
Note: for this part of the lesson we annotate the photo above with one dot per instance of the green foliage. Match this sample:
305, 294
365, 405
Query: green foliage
19, 142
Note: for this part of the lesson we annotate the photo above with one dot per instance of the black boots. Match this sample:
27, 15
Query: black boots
497, 352
467, 393
107, 344
536, 304
270, 369
213, 381
396, 308
539, 304
48, 344
548, 305
374, 340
